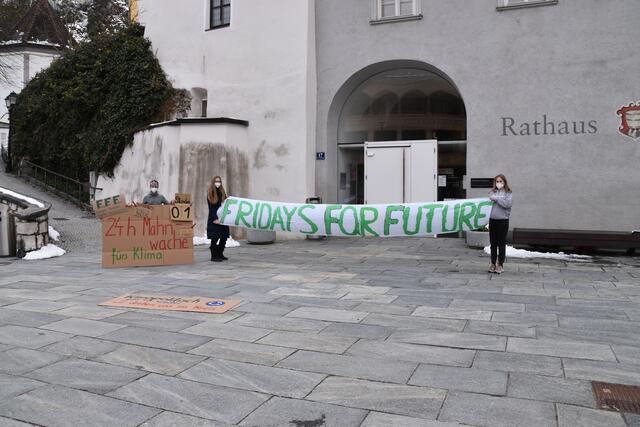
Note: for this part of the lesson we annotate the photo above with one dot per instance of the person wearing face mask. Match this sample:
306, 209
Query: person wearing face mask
217, 232
499, 222
154, 198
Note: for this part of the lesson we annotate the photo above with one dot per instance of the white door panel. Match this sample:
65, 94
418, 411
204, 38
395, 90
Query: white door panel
384, 175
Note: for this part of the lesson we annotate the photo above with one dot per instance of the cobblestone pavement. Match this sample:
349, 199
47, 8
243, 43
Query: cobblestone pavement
340, 332
80, 230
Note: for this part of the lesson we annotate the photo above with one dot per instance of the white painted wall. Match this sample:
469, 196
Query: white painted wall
23, 64
183, 158
261, 68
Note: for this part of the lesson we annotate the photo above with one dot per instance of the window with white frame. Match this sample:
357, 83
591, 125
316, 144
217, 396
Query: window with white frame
395, 9
513, 4
219, 13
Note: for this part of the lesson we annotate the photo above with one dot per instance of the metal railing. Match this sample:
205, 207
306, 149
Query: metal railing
71, 189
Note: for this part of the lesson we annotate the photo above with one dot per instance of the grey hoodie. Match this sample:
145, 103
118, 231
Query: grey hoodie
501, 208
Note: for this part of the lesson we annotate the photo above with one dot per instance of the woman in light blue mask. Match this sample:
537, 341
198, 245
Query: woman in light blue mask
501, 196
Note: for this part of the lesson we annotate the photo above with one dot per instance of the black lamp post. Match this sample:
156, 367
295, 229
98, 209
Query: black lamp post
10, 100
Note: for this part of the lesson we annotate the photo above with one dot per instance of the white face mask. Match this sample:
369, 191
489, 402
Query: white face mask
217, 184
154, 190
499, 186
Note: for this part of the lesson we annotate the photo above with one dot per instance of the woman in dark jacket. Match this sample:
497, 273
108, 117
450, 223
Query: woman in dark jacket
217, 232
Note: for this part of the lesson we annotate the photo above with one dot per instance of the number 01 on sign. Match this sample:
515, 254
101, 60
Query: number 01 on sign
181, 212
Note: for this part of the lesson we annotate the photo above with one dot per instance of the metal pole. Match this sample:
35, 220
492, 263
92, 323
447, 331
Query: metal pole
8, 167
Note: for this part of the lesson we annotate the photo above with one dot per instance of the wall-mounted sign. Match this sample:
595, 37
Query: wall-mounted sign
630, 120
546, 126
320, 155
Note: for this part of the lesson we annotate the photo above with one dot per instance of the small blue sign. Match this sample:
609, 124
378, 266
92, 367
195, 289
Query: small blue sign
320, 155
215, 303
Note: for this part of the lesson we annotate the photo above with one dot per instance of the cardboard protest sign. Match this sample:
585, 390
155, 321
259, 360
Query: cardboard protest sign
173, 303
113, 205
145, 236
411, 219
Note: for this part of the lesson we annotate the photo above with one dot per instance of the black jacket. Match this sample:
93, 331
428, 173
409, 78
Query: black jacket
215, 231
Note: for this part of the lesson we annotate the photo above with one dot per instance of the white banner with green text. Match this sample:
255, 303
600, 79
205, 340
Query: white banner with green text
398, 219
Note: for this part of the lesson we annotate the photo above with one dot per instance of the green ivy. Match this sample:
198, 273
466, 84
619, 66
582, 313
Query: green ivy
80, 114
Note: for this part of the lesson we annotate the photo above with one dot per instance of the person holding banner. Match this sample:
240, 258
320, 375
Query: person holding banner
154, 198
217, 232
500, 195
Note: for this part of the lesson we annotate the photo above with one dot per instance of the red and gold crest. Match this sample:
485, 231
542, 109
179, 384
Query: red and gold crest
630, 120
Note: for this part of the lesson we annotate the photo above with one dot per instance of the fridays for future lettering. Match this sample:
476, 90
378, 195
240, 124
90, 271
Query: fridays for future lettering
409, 219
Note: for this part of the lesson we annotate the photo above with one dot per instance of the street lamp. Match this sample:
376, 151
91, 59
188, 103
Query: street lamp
10, 101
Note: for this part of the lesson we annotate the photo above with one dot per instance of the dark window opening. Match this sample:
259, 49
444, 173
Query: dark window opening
220, 14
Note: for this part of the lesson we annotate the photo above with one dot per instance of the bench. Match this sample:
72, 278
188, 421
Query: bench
579, 239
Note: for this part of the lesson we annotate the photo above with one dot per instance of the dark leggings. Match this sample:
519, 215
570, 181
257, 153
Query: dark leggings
218, 247
498, 237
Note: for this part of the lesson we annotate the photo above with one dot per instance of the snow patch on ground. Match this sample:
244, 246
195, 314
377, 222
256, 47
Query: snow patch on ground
48, 251
21, 197
201, 241
53, 234
522, 253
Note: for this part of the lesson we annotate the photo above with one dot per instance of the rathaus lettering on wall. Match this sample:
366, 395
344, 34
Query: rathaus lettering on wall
512, 127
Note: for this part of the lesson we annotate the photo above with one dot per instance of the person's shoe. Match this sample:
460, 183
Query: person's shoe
499, 269
224, 258
216, 259
492, 268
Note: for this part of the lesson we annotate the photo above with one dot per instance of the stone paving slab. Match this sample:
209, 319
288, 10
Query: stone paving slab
350, 366
157, 339
483, 410
150, 359
414, 322
602, 371
148, 320
246, 376
85, 327
551, 389
379, 419
6, 422
243, 351
452, 313
328, 314
191, 398
292, 412
419, 402
457, 340
11, 386
172, 419
86, 375
73, 408
29, 337
561, 349
357, 331
305, 341
461, 379
229, 331
281, 323
82, 347
412, 353
86, 311
570, 416
516, 362
22, 360
501, 329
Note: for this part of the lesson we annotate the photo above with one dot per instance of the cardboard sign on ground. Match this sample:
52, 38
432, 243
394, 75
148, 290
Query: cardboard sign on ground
173, 303
146, 236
